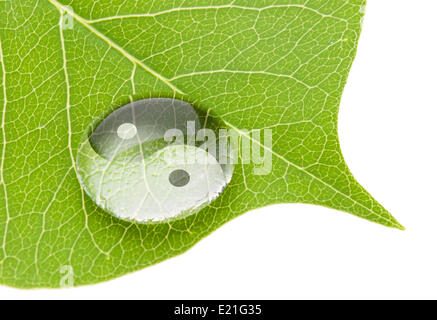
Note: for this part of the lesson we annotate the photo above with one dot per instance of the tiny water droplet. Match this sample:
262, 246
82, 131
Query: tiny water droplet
144, 162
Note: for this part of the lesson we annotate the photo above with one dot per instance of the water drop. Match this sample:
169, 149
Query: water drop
144, 163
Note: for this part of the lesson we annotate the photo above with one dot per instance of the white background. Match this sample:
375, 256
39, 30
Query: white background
388, 135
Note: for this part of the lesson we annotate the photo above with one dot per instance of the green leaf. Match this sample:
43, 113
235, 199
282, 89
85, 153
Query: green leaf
256, 64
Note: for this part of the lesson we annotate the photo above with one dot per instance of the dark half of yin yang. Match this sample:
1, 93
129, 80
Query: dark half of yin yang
154, 160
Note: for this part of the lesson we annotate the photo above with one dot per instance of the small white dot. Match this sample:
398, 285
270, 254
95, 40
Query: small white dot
127, 131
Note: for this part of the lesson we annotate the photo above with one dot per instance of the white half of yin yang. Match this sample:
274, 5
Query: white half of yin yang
143, 191
139, 189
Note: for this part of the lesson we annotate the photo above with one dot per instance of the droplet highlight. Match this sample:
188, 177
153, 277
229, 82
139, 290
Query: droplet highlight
144, 162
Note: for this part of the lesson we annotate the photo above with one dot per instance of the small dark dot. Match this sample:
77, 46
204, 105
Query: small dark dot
179, 178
